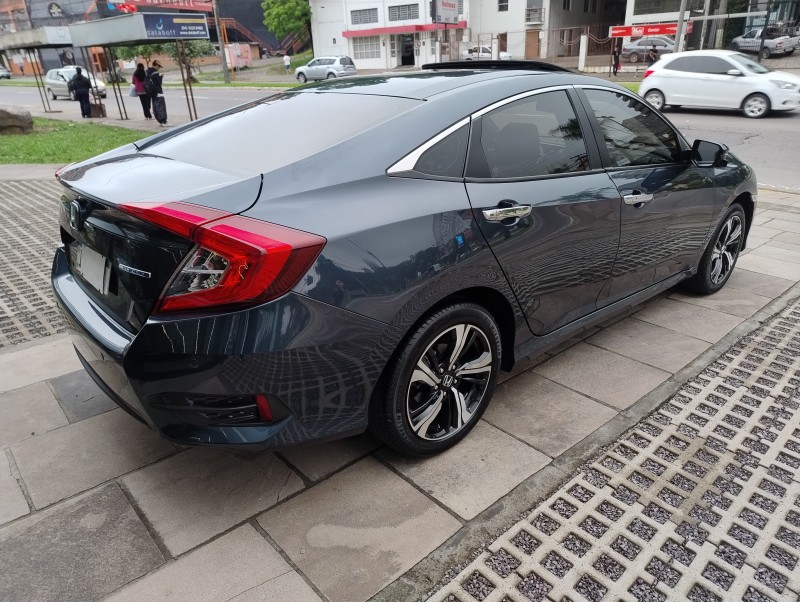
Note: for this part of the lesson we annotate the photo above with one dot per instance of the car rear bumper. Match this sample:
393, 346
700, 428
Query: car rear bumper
316, 364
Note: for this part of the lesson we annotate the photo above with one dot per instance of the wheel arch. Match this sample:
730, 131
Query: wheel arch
747, 203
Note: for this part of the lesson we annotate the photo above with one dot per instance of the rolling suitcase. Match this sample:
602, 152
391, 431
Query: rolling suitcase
160, 109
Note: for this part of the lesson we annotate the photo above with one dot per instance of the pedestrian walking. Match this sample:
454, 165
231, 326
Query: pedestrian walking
21, 66
153, 87
287, 62
81, 86
615, 60
138, 78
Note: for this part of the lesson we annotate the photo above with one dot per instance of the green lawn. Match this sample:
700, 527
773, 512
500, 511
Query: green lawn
632, 87
64, 142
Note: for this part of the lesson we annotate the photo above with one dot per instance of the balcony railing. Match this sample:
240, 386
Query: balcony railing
534, 15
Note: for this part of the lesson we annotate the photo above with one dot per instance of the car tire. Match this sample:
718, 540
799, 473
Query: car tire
634, 57
331, 76
765, 53
735, 46
756, 106
425, 402
301, 77
655, 98
721, 254
52, 94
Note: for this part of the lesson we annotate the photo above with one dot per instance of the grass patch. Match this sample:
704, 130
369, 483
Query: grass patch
10, 83
64, 142
235, 85
633, 87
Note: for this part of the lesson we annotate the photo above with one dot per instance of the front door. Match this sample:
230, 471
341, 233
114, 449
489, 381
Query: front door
407, 50
542, 201
667, 201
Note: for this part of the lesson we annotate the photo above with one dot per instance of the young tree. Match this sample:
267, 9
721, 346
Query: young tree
131, 53
283, 17
193, 50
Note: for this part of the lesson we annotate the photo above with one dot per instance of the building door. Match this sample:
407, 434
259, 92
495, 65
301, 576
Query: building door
407, 50
532, 44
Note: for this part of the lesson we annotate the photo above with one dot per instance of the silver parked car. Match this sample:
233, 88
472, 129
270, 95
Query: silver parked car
326, 67
637, 51
4, 73
56, 82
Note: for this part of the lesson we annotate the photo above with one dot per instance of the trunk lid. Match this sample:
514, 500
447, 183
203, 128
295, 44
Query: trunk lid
122, 262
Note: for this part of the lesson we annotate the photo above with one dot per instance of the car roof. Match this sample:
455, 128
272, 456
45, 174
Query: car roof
710, 52
426, 84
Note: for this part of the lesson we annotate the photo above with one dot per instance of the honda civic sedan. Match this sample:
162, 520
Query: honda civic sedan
382, 272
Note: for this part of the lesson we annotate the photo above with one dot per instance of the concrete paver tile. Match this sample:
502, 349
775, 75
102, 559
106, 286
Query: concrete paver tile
200, 493
779, 244
80, 550
470, 477
788, 237
544, 414
319, 461
356, 532
767, 230
81, 396
32, 364
753, 242
12, 500
757, 283
777, 214
781, 224
772, 252
728, 300
769, 266
31, 410
77, 457
616, 380
655, 345
235, 563
692, 320
289, 587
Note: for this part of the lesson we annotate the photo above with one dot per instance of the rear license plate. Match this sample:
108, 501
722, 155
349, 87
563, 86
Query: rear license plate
93, 267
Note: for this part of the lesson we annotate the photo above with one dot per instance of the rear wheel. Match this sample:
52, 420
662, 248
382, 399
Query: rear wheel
655, 98
721, 254
755, 106
634, 58
301, 77
765, 53
438, 386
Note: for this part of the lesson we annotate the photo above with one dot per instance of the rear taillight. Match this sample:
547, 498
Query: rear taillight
647, 73
238, 260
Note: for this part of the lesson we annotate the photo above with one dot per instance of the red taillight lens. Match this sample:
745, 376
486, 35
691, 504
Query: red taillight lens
238, 261
647, 73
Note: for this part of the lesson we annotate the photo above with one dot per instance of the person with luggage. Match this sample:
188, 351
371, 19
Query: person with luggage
154, 89
138, 78
81, 86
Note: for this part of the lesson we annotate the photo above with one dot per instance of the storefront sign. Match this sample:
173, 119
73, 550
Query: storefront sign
175, 26
637, 31
446, 11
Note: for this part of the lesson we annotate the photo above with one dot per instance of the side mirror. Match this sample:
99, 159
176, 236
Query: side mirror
709, 154
734, 72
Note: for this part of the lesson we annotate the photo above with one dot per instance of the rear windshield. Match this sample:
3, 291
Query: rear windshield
280, 130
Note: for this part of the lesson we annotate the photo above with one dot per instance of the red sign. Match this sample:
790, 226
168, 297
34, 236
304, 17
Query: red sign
637, 31
193, 5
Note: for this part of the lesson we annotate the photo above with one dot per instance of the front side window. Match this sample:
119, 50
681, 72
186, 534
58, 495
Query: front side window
749, 64
632, 132
368, 47
364, 15
404, 12
530, 137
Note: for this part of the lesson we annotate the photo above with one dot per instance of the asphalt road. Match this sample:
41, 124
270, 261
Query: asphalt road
771, 145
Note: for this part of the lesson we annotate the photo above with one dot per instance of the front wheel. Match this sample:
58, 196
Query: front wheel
765, 53
720, 256
301, 77
438, 386
634, 58
735, 47
52, 94
655, 99
755, 106
331, 76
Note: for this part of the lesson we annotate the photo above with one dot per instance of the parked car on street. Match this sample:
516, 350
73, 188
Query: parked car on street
775, 42
266, 295
326, 67
719, 79
4, 73
636, 51
56, 82
483, 53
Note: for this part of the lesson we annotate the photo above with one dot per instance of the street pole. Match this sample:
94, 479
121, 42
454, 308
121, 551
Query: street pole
221, 39
706, 11
764, 32
681, 26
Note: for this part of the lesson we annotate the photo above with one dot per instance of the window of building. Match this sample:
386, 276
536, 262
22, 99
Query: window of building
586, 6
368, 47
649, 7
567, 5
594, 6
404, 12
365, 15
502, 5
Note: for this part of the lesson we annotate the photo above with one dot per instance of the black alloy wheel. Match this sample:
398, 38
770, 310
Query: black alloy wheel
440, 384
721, 254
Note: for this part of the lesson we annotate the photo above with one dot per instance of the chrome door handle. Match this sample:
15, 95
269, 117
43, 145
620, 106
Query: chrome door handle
498, 215
637, 199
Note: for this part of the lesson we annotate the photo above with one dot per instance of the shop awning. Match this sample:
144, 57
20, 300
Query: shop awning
380, 31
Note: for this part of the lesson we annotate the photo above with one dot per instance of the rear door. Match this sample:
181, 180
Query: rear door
544, 204
667, 201
715, 88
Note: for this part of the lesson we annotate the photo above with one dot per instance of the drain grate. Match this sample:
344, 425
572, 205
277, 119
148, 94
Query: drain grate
28, 239
700, 502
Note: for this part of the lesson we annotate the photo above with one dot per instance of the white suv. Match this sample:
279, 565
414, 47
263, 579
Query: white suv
326, 67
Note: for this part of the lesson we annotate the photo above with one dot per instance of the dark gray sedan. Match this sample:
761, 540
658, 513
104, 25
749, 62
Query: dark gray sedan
234, 282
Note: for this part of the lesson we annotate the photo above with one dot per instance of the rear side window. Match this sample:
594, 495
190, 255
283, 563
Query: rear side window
633, 133
700, 64
345, 60
533, 136
446, 157
691, 64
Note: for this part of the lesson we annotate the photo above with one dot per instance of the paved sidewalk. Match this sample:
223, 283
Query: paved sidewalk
92, 504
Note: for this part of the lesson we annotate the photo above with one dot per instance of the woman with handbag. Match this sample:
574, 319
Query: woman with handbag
137, 88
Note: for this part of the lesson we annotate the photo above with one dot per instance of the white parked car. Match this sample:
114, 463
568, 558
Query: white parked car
477, 53
56, 82
326, 67
719, 79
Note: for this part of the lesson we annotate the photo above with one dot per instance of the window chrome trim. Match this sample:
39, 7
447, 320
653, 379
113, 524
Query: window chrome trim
407, 163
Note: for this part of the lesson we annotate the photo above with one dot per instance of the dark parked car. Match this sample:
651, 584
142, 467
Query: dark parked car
384, 270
